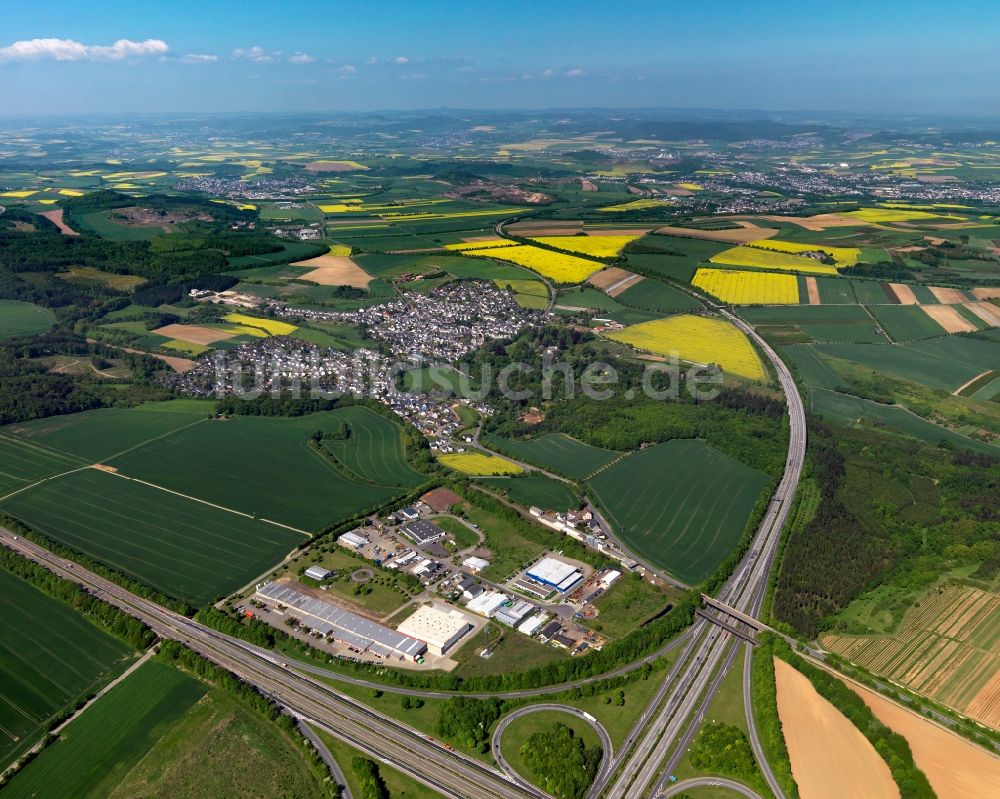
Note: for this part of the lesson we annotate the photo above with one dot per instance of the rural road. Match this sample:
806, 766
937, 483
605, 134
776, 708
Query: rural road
505, 722
327, 757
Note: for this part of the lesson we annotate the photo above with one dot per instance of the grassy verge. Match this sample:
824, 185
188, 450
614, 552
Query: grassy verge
400, 785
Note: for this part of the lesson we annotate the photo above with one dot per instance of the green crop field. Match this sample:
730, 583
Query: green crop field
110, 737
50, 656
186, 549
95, 435
535, 490
812, 368
652, 295
805, 314
944, 363
24, 462
834, 290
682, 505
23, 319
374, 450
557, 452
258, 465
678, 259
857, 412
906, 322
870, 292
863, 333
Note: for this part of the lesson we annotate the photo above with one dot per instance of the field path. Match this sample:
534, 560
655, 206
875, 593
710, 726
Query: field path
204, 502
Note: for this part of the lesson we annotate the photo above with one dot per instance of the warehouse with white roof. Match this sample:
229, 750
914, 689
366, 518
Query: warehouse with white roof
439, 628
555, 573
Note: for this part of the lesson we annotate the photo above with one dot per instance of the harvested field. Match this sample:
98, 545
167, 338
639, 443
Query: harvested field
950, 319
335, 270
822, 743
948, 296
904, 294
813, 290
946, 648
987, 293
956, 768
614, 280
56, 218
739, 235
986, 311
196, 334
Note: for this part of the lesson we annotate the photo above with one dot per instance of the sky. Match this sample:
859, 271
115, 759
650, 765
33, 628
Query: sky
894, 56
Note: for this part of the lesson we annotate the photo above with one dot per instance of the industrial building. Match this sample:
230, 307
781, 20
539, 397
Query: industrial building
352, 540
555, 573
513, 615
317, 573
440, 629
533, 623
423, 532
475, 565
488, 603
358, 634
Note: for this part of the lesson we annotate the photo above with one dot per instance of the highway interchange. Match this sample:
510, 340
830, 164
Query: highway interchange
641, 766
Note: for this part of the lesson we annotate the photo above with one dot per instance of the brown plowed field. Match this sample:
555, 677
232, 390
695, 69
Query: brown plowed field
195, 334
335, 270
904, 294
950, 319
948, 296
56, 218
830, 757
956, 768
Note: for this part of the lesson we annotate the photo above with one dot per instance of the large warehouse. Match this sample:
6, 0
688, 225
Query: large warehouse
555, 573
439, 628
350, 629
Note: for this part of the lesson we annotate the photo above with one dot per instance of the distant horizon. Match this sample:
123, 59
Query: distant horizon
259, 57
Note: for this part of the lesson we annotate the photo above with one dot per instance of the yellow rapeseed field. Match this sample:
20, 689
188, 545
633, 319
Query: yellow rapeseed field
340, 250
698, 339
478, 463
748, 288
561, 268
480, 245
598, 246
19, 193
635, 205
842, 255
765, 259
894, 215
690, 186
340, 208
272, 326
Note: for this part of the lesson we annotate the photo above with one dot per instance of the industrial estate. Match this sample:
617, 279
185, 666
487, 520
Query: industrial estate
584, 454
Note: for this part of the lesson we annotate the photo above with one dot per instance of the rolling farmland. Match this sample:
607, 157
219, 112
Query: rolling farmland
374, 451
259, 465
110, 737
554, 265
50, 656
654, 295
767, 259
23, 319
596, 246
557, 452
947, 648
184, 548
536, 490
682, 505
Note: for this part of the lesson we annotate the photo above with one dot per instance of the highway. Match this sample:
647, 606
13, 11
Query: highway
712, 650
720, 782
450, 773
606, 745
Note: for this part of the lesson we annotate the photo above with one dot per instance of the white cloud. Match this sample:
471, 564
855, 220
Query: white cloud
401, 59
574, 73
256, 54
198, 58
347, 69
70, 50
300, 58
